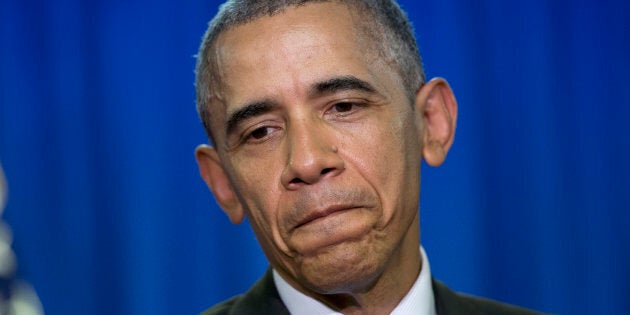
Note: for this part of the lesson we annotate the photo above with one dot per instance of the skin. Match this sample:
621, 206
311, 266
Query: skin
323, 154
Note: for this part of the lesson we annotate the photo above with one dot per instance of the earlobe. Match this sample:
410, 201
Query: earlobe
437, 109
213, 173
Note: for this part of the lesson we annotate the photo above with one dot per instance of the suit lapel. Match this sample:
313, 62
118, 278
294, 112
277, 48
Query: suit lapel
262, 298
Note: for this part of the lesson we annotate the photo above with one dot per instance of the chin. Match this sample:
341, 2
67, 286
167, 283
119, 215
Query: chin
343, 268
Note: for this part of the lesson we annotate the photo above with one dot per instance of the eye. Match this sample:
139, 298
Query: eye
347, 107
343, 107
260, 133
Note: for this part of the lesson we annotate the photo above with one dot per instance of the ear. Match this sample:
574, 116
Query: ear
213, 173
437, 108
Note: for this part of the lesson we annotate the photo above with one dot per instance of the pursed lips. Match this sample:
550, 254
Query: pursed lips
322, 213
312, 205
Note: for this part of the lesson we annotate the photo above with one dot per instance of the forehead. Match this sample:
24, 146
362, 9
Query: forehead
281, 56
297, 37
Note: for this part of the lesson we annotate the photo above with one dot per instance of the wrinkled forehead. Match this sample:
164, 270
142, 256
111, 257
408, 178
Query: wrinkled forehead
288, 39
308, 42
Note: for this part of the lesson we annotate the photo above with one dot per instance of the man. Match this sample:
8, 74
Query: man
319, 115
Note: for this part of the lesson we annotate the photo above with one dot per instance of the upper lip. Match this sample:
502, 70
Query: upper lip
320, 213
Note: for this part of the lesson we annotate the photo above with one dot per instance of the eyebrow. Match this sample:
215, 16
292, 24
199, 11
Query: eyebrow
248, 111
343, 83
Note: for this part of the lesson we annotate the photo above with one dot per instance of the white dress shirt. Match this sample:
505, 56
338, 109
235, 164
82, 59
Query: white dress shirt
419, 299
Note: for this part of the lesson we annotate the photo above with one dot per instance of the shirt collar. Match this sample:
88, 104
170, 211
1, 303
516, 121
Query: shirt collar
419, 299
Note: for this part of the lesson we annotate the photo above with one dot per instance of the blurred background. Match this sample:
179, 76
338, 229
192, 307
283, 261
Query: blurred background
109, 215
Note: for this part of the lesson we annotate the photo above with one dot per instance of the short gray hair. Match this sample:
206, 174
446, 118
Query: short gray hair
391, 31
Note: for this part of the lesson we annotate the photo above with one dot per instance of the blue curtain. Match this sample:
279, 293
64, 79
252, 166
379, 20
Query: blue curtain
98, 128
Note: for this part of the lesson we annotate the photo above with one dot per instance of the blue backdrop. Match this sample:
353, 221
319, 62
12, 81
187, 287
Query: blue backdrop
98, 128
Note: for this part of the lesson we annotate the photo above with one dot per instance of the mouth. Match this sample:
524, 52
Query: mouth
327, 227
313, 216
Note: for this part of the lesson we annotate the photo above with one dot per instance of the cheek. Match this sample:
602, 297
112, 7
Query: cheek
386, 156
258, 191
385, 151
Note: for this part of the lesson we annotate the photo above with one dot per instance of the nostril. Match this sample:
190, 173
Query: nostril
296, 181
327, 170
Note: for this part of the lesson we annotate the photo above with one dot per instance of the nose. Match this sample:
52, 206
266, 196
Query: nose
312, 156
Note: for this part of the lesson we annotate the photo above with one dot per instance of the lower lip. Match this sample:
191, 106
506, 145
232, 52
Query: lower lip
337, 227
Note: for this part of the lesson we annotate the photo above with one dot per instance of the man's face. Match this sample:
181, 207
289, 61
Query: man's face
321, 146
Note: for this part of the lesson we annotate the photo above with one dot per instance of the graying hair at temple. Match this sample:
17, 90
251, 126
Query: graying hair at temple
387, 25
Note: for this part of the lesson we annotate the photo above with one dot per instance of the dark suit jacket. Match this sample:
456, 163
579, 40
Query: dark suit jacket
263, 298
